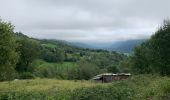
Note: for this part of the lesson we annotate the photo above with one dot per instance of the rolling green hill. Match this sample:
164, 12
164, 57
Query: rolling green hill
58, 59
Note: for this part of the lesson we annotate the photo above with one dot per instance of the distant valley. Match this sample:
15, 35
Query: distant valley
119, 46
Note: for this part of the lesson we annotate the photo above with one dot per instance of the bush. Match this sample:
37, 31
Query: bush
27, 75
120, 91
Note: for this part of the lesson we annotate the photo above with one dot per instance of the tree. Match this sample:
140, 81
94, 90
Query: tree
113, 69
8, 54
125, 65
160, 46
141, 59
52, 55
29, 51
86, 70
153, 56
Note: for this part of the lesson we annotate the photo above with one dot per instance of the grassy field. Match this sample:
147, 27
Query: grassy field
140, 87
63, 66
45, 84
49, 45
42, 89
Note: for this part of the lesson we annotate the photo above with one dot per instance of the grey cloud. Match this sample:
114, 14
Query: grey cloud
85, 20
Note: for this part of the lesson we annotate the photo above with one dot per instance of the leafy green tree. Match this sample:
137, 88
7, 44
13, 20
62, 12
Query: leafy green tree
141, 59
86, 70
52, 55
125, 65
29, 51
59, 54
153, 56
113, 69
73, 74
8, 54
160, 46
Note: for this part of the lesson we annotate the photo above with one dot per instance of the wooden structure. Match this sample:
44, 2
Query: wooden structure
109, 77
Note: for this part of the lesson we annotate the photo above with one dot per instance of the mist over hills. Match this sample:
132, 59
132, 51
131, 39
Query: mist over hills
119, 46
126, 46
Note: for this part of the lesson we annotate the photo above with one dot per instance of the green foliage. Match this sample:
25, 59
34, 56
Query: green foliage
105, 59
113, 69
29, 51
53, 70
26, 75
141, 59
120, 92
25, 95
125, 66
86, 70
153, 56
161, 49
52, 55
8, 54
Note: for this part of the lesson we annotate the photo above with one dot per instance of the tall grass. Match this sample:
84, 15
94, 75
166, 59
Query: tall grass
141, 87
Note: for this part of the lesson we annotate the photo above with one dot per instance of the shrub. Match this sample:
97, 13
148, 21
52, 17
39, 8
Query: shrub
119, 91
26, 75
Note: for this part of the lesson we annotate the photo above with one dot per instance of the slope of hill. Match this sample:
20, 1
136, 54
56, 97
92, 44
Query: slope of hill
81, 45
63, 60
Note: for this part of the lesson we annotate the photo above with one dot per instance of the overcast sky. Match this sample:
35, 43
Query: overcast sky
86, 20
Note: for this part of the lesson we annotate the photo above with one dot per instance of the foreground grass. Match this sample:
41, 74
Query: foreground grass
141, 87
45, 85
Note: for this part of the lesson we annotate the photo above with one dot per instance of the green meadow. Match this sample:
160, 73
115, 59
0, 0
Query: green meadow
140, 87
